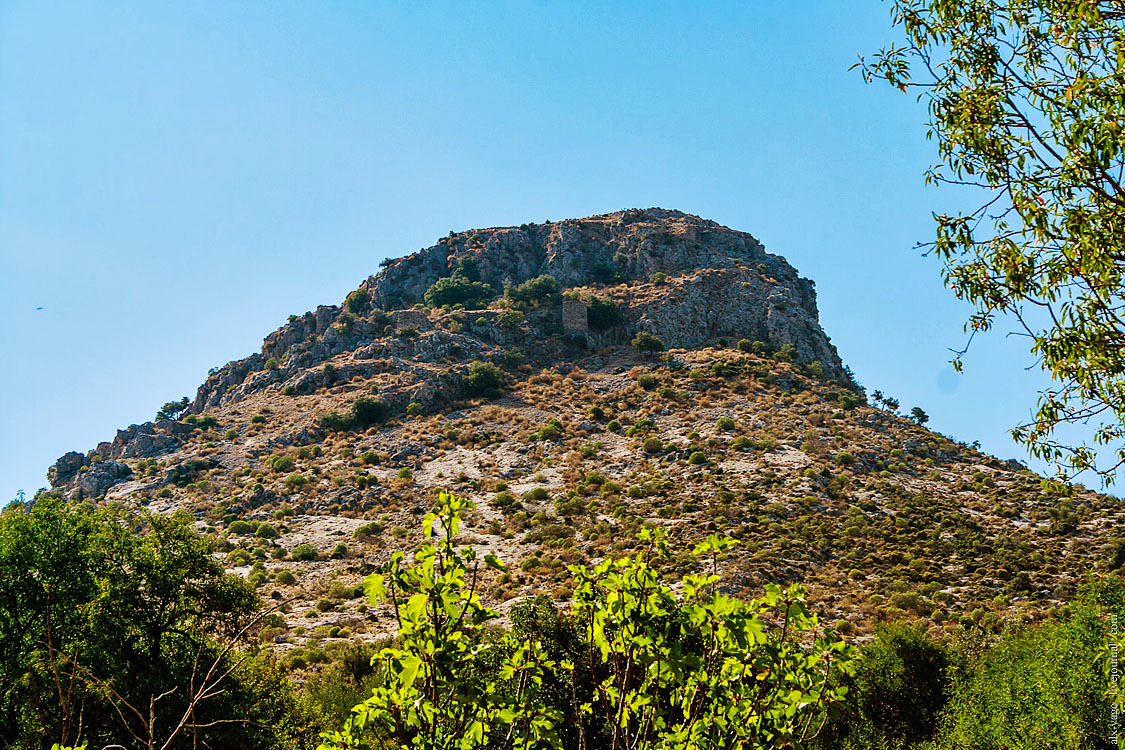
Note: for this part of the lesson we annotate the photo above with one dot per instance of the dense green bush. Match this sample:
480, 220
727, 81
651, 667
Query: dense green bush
483, 379
373, 528
552, 430
334, 421
1041, 686
536, 292
602, 313
357, 301
646, 342
364, 412
112, 627
303, 552
897, 692
242, 527
367, 411
459, 290
282, 462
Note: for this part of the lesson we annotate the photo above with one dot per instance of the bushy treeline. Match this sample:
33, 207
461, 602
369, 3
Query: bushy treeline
1032, 687
120, 630
117, 629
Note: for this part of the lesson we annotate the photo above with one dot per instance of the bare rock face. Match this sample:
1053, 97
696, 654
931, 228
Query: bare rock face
65, 468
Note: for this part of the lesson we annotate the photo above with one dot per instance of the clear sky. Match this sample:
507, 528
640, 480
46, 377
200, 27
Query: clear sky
176, 179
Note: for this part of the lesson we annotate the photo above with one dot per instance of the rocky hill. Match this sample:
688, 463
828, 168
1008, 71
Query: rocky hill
579, 380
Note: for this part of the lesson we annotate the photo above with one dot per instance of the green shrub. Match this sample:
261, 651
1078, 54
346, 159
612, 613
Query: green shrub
697, 458
296, 481
646, 380
653, 445
333, 421
364, 412
282, 463
845, 459
505, 501
357, 301
725, 424
640, 427
899, 688
374, 528
510, 319
542, 290
240, 527
367, 411
536, 494
458, 290
602, 314
551, 532
414, 409
646, 342
258, 419
303, 552
286, 578
1040, 686
483, 379
745, 345
553, 430
266, 531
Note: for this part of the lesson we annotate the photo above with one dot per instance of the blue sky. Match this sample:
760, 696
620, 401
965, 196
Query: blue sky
176, 179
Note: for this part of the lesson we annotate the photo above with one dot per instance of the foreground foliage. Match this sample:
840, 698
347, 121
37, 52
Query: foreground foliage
646, 667
1025, 102
119, 630
1033, 687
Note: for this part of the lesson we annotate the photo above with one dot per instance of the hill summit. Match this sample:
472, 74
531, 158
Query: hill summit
581, 380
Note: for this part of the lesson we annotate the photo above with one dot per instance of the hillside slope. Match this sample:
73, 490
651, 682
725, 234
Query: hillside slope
314, 458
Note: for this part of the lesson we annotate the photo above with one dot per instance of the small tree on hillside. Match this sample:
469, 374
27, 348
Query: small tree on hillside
173, 409
646, 343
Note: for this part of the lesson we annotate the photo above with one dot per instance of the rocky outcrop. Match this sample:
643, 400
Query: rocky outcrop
92, 474
66, 468
619, 247
720, 284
